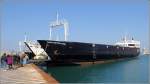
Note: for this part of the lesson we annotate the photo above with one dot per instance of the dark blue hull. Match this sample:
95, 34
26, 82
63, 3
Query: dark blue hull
78, 51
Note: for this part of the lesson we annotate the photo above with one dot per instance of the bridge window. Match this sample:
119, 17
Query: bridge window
131, 44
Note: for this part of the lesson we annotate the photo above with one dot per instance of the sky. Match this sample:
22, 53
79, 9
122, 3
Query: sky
96, 21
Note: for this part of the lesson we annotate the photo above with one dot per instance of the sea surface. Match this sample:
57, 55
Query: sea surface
134, 70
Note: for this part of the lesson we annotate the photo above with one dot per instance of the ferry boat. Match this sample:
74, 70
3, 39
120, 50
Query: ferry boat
67, 51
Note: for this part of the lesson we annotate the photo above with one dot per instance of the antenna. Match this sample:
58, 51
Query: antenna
25, 37
125, 38
57, 18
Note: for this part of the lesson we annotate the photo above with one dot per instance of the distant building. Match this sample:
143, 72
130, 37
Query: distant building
146, 51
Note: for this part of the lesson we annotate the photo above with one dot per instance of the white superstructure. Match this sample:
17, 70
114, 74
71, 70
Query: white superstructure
37, 50
129, 43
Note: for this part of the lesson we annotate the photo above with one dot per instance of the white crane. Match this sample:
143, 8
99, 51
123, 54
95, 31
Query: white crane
57, 24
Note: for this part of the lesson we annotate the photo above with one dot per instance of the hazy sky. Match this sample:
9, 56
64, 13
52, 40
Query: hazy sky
98, 21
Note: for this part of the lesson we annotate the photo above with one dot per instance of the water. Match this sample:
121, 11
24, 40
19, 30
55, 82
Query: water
133, 70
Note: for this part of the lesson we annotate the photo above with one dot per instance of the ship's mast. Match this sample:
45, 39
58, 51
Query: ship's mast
25, 37
20, 46
58, 23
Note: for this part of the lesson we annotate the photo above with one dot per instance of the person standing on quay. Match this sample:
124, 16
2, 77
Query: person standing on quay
25, 59
3, 61
10, 61
22, 55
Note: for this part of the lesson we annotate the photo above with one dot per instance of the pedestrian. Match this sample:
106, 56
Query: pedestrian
10, 61
25, 59
4, 61
15, 61
22, 55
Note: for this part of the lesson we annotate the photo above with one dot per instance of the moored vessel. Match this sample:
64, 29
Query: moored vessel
66, 51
